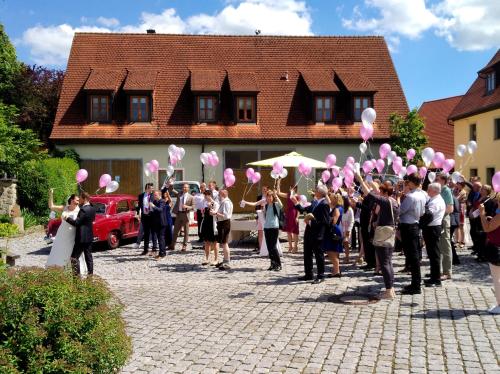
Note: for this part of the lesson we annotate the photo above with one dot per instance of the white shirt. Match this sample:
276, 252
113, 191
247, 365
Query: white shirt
183, 198
437, 207
215, 195
145, 203
226, 209
348, 220
199, 201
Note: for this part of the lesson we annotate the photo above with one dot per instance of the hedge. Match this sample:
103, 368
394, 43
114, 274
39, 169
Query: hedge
38, 176
52, 322
8, 229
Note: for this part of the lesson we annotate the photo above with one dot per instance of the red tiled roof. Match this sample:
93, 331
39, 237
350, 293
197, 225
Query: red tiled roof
355, 81
240, 81
207, 80
439, 132
104, 79
283, 112
476, 100
140, 80
319, 81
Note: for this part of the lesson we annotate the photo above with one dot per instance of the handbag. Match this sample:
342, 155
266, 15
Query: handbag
281, 217
385, 235
426, 218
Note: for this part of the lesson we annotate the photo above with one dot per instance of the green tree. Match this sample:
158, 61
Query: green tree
9, 66
407, 132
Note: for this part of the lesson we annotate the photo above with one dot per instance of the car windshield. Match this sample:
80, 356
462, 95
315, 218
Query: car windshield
100, 208
193, 187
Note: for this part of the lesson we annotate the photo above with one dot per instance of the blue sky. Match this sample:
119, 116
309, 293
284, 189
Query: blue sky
437, 46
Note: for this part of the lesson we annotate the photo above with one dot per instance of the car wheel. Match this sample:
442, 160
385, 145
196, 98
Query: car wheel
113, 239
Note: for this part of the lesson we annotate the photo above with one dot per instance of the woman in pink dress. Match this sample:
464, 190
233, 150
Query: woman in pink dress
291, 218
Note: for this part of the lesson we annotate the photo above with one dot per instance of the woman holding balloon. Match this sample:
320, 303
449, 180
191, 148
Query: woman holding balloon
332, 244
291, 218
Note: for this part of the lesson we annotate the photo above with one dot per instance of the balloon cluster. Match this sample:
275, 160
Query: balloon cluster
176, 154
367, 118
495, 181
229, 177
253, 176
81, 175
151, 167
304, 169
104, 180
209, 159
278, 170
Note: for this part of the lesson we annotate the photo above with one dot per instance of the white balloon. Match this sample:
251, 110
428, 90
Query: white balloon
461, 149
471, 147
213, 153
368, 116
431, 176
171, 150
204, 158
356, 167
402, 172
170, 170
363, 147
428, 155
284, 173
274, 175
456, 177
182, 153
112, 186
147, 173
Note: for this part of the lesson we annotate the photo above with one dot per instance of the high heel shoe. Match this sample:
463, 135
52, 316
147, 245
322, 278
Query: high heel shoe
338, 275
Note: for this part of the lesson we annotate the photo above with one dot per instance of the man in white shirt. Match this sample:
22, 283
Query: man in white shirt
200, 205
223, 217
181, 209
212, 186
432, 231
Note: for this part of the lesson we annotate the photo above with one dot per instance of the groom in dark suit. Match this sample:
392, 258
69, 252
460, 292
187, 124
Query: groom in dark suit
84, 234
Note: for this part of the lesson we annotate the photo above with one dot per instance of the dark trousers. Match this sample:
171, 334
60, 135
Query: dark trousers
384, 256
140, 237
199, 218
271, 236
168, 235
431, 238
312, 246
159, 231
411, 243
456, 260
475, 228
146, 227
367, 244
78, 249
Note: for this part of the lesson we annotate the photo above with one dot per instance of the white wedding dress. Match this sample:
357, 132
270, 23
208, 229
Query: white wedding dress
263, 247
63, 244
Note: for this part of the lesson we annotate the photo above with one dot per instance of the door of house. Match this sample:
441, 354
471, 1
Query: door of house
128, 173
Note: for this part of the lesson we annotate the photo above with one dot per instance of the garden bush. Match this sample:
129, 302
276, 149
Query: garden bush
4, 218
52, 322
38, 176
8, 229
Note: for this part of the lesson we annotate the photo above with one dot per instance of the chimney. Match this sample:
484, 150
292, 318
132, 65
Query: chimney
151, 31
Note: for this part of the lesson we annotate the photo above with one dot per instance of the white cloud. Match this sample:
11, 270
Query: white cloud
465, 24
108, 22
50, 45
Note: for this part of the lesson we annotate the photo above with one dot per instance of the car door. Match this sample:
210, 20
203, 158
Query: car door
135, 221
126, 219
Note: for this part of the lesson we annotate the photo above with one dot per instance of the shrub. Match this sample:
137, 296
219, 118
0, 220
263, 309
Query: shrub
30, 219
52, 322
38, 176
8, 229
4, 218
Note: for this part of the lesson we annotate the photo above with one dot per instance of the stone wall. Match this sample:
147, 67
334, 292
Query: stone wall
8, 195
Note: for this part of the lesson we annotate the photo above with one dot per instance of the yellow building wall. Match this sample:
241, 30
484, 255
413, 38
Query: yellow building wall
488, 152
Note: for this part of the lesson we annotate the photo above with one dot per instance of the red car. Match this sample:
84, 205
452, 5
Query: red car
115, 219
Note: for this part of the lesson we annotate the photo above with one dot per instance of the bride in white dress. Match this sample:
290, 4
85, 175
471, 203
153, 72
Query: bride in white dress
63, 244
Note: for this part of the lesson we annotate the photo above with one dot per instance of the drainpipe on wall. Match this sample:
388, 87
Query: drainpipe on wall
202, 166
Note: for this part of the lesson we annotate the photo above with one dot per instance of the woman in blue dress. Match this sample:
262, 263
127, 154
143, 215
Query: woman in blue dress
332, 243
168, 214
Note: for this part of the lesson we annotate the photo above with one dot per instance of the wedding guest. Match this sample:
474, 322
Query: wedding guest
332, 241
223, 216
412, 207
291, 218
209, 228
490, 206
317, 220
387, 215
212, 186
159, 221
461, 195
200, 204
444, 244
168, 216
272, 211
454, 225
366, 207
182, 207
347, 227
259, 205
473, 202
492, 250
144, 210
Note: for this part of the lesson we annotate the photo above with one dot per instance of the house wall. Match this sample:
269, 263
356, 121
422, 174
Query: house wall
488, 152
191, 162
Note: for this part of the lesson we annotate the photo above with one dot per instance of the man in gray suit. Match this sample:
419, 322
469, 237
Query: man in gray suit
183, 205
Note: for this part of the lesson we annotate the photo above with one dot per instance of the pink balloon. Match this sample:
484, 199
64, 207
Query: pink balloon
350, 160
366, 132
278, 167
348, 172
228, 171
496, 181
410, 154
81, 175
325, 176
330, 160
384, 150
367, 166
422, 171
448, 164
229, 180
215, 160
438, 159
411, 169
173, 161
380, 164
335, 171
348, 183
336, 183
256, 177
397, 165
301, 168
104, 180
155, 163
250, 173
307, 170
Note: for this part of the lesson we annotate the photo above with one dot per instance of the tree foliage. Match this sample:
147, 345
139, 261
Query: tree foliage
9, 66
407, 132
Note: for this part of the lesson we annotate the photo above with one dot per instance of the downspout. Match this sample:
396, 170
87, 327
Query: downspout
202, 166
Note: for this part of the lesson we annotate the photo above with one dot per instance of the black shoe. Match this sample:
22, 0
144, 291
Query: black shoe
432, 283
377, 274
338, 275
277, 268
318, 281
218, 265
144, 253
409, 290
270, 268
305, 278
224, 267
367, 267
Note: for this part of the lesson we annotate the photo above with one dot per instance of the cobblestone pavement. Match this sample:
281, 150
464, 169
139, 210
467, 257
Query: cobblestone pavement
184, 317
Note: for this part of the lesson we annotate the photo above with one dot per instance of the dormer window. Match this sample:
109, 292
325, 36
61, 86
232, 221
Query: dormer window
324, 108
140, 109
99, 108
206, 108
245, 109
360, 103
490, 82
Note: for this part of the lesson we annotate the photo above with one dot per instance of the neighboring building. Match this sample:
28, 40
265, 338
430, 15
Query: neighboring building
477, 117
438, 128
126, 97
